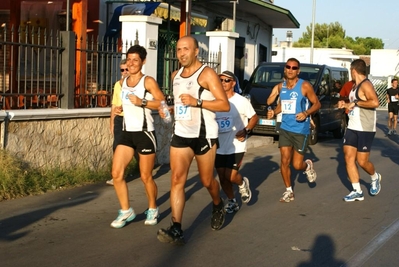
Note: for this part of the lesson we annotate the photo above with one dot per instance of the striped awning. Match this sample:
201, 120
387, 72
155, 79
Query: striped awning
196, 19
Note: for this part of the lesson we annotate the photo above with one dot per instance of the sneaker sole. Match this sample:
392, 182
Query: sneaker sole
354, 199
287, 200
249, 190
229, 211
155, 222
131, 218
165, 238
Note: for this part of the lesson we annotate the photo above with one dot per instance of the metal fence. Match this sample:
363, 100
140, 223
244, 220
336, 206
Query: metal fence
30, 69
171, 63
34, 62
97, 71
381, 86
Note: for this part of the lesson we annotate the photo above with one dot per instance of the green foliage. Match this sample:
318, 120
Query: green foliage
17, 179
334, 36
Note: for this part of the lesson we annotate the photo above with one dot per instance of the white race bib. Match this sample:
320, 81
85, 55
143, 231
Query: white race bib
182, 112
279, 117
288, 106
394, 99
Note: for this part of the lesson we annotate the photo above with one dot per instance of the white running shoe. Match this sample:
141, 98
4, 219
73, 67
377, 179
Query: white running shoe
123, 218
245, 191
310, 172
152, 216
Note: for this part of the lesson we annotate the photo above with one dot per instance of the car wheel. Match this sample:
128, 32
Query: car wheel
314, 131
339, 132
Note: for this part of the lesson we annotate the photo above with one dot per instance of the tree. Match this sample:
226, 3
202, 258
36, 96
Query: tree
333, 35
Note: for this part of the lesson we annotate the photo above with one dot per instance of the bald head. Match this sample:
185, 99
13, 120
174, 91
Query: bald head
190, 39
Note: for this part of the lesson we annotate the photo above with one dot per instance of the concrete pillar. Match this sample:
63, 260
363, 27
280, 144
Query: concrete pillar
226, 41
145, 29
68, 70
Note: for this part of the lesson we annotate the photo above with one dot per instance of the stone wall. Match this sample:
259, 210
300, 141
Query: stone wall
69, 140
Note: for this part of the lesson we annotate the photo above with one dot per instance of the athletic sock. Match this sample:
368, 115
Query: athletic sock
356, 187
289, 189
374, 176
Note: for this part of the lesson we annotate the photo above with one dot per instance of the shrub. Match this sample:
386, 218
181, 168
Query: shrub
18, 179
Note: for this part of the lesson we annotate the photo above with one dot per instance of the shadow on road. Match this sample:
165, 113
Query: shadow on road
322, 253
9, 227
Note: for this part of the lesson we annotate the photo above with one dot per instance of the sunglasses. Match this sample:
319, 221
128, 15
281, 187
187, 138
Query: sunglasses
122, 70
226, 80
288, 67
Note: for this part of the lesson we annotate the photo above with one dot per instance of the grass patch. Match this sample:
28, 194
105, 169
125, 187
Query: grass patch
17, 179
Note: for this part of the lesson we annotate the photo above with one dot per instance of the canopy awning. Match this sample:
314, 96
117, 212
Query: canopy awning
196, 19
270, 14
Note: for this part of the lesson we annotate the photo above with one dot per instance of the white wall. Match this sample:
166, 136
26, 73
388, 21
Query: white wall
384, 62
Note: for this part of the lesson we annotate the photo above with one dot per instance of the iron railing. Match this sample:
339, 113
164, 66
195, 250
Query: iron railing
171, 63
30, 70
381, 86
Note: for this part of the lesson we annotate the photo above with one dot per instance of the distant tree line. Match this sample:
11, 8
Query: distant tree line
333, 36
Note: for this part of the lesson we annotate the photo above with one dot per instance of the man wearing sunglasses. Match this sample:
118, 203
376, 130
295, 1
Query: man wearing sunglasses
234, 127
116, 120
297, 102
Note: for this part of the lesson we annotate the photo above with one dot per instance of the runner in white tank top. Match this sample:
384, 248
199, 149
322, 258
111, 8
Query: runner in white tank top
198, 93
139, 94
360, 132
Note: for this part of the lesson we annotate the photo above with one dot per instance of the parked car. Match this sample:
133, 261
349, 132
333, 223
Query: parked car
322, 77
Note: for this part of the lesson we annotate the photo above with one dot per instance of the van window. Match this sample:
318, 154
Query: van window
309, 74
268, 75
340, 75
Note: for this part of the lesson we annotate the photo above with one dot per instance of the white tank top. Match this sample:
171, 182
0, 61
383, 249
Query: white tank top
193, 122
136, 119
361, 119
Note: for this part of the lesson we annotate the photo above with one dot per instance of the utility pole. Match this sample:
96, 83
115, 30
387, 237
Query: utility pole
312, 41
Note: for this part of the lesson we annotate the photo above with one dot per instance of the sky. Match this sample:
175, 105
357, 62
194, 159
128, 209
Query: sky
359, 18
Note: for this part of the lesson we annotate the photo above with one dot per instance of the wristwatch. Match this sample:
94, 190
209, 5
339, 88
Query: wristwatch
143, 102
247, 130
199, 102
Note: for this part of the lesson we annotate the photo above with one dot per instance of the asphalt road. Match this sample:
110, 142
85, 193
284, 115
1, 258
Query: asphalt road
71, 227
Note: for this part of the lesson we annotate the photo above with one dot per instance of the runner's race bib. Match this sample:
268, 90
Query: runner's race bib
225, 124
288, 106
182, 112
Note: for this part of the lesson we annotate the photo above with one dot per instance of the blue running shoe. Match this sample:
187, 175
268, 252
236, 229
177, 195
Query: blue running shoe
152, 216
375, 186
123, 218
354, 196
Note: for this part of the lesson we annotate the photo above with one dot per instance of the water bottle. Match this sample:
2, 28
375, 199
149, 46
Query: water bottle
165, 110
